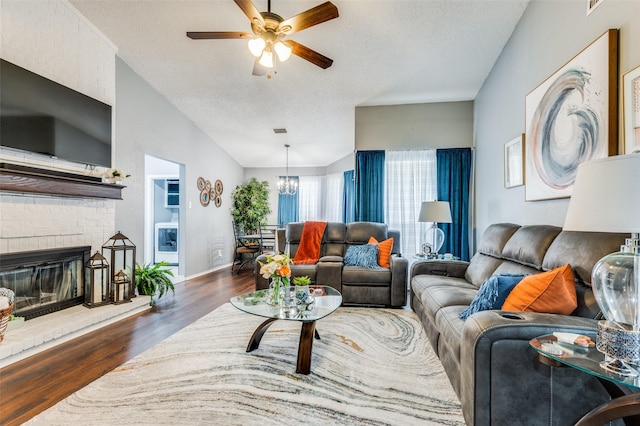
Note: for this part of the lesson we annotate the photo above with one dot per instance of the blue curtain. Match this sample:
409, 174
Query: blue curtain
369, 186
288, 206
348, 198
454, 181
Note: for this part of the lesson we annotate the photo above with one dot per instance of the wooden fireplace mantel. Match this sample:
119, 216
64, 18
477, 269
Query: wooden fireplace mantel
25, 179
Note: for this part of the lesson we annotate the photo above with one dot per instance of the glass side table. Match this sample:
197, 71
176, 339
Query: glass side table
622, 405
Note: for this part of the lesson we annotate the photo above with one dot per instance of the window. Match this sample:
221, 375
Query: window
410, 179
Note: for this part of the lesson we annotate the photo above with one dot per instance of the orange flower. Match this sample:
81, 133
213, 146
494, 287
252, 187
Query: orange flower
284, 271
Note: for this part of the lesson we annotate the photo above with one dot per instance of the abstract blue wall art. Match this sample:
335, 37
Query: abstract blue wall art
571, 118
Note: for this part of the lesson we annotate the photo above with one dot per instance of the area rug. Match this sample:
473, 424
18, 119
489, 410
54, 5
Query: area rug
371, 367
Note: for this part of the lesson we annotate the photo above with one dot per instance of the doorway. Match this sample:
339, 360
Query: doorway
164, 213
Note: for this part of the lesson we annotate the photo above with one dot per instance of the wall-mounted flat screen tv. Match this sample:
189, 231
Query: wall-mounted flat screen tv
41, 116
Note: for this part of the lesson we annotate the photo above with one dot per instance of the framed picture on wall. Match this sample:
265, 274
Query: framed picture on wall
570, 118
514, 162
631, 107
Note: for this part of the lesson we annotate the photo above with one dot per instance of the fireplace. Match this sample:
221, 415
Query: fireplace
45, 281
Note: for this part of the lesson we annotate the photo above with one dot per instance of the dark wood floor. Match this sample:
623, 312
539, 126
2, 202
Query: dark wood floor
34, 384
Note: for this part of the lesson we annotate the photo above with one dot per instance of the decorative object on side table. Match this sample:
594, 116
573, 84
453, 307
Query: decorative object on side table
606, 198
434, 212
277, 269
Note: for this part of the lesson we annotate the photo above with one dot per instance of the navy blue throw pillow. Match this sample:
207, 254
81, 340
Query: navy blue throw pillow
365, 255
492, 293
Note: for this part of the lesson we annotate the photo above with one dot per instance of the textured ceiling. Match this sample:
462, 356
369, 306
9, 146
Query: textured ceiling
385, 52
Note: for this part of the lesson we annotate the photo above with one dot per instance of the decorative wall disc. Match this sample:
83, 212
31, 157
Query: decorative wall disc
218, 201
200, 183
218, 187
207, 185
204, 198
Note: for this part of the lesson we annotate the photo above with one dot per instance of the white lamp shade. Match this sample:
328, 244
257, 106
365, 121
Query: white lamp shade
256, 46
606, 196
435, 211
266, 60
282, 50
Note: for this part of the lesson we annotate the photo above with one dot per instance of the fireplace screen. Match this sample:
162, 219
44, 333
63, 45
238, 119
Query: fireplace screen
44, 282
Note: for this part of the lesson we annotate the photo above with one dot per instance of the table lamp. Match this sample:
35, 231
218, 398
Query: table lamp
434, 211
606, 198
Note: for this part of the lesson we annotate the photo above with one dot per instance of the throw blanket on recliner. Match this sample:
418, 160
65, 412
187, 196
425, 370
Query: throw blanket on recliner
309, 250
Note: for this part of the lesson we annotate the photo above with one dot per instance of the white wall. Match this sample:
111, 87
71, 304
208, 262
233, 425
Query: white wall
271, 175
414, 126
148, 124
51, 39
548, 35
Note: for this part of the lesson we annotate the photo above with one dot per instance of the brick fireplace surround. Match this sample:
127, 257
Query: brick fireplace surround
30, 222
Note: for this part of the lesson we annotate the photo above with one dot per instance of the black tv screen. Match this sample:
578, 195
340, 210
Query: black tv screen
39, 115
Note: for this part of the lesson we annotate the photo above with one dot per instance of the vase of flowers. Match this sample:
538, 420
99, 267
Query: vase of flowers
278, 271
115, 176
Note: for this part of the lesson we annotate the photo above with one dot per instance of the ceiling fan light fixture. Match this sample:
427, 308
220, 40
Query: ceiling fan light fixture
282, 50
266, 60
256, 46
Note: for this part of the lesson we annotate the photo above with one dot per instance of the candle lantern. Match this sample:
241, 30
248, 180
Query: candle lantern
122, 254
121, 288
98, 286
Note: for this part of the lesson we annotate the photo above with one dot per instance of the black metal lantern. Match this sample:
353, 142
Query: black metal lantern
98, 286
121, 288
122, 253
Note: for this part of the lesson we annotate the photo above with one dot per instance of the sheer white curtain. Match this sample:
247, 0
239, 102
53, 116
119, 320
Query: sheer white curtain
410, 179
310, 192
333, 197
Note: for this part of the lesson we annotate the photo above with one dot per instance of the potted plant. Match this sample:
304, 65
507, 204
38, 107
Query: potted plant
250, 205
154, 279
302, 288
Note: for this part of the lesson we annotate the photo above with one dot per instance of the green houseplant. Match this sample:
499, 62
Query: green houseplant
250, 205
154, 279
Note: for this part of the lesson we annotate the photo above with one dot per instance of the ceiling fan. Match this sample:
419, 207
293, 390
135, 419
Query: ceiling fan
269, 33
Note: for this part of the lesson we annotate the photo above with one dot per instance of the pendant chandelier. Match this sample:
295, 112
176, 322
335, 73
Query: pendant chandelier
287, 185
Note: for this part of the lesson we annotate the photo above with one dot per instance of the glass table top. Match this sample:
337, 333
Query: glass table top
318, 307
579, 357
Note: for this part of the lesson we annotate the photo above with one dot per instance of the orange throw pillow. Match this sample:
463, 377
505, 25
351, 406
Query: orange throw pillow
384, 251
552, 292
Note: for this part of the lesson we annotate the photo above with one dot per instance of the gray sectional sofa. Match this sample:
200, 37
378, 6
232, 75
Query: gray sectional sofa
358, 285
487, 357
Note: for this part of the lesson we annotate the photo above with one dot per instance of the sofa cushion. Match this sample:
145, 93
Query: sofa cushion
529, 244
384, 251
495, 237
359, 232
492, 293
480, 268
552, 292
365, 255
357, 275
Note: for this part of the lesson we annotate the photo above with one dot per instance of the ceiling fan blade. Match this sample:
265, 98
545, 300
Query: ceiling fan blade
310, 55
250, 10
317, 15
258, 69
207, 35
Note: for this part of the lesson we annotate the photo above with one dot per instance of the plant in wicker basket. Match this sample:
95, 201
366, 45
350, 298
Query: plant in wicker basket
6, 308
